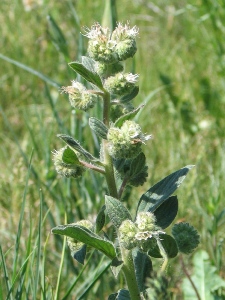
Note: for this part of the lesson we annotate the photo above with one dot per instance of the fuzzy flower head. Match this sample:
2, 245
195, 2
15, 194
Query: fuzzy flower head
125, 41
64, 169
100, 47
107, 47
79, 96
125, 142
74, 244
127, 232
146, 221
121, 84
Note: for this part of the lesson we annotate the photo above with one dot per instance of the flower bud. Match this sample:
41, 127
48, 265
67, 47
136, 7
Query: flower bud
125, 41
64, 169
121, 84
146, 221
100, 47
79, 96
125, 142
127, 232
186, 236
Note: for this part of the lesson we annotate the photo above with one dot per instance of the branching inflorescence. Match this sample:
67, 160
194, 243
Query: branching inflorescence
123, 163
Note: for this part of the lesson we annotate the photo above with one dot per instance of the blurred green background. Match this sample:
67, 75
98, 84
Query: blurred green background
181, 63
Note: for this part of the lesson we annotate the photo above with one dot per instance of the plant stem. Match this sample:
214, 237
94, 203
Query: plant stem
189, 278
109, 171
129, 273
164, 255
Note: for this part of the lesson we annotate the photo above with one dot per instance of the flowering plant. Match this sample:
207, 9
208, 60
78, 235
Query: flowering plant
142, 237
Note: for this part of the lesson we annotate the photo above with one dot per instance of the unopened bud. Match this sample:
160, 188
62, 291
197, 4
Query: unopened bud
127, 232
121, 84
79, 96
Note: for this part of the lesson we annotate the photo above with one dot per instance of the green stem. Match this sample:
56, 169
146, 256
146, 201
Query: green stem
164, 255
109, 171
129, 273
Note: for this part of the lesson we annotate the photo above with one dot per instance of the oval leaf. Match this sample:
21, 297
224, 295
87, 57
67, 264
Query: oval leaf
130, 96
119, 122
116, 211
143, 268
80, 254
70, 157
98, 127
161, 191
90, 76
166, 212
86, 236
76, 146
100, 220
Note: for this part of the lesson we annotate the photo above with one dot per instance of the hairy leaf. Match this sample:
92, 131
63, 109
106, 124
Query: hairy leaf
119, 122
100, 220
143, 268
169, 245
70, 157
116, 211
86, 236
80, 254
161, 191
166, 212
90, 76
75, 145
98, 127
132, 95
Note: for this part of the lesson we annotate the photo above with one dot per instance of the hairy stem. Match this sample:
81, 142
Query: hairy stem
109, 171
129, 273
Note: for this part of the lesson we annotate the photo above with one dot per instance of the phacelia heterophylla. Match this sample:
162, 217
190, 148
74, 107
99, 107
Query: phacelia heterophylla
125, 142
121, 84
65, 169
79, 96
107, 47
142, 233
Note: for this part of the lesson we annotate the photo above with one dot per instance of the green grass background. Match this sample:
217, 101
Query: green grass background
181, 63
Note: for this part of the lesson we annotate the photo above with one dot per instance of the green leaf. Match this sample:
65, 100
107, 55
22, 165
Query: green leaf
205, 278
166, 212
120, 295
80, 254
143, 268
100, 220
89, 63
98, 127
116, 266
70, 157
138, 170
57, 36
116, 211
75, 145
119, 122
132, 95
169, 244
161, 191
90, 76
86, 236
